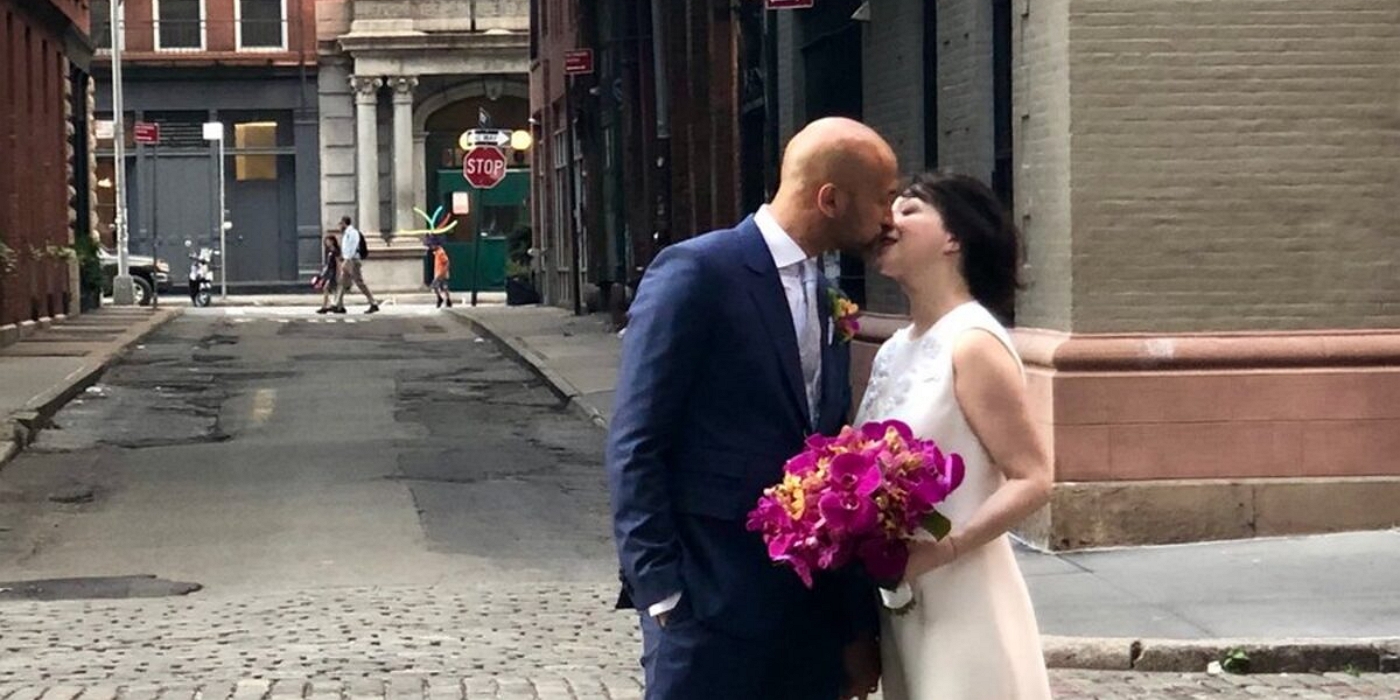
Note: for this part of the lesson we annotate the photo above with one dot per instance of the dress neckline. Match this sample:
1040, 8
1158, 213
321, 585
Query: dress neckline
932, 331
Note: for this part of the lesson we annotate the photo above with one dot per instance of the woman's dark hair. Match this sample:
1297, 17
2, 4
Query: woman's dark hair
991, 245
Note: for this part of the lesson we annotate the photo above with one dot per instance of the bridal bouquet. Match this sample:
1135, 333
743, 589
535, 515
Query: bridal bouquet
859, 496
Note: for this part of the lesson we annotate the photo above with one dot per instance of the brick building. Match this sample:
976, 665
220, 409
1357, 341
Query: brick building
44, 179
1212, 323
249, 65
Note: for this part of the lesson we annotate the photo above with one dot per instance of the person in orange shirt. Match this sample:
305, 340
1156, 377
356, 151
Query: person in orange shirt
441, 263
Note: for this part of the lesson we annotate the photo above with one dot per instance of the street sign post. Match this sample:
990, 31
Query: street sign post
484, 167
578, 62
146, 132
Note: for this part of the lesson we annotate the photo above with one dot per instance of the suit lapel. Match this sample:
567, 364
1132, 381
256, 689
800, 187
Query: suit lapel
767, 291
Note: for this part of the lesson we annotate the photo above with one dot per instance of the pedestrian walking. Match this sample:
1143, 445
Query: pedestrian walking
441, 273
328, 280
353, 251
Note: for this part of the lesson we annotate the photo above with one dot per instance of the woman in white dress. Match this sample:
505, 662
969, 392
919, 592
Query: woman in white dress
954, 376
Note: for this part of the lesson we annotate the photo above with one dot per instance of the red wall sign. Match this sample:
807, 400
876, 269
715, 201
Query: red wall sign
146, 132
578, 62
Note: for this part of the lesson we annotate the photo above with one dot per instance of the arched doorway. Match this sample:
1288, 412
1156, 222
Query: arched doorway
501, 214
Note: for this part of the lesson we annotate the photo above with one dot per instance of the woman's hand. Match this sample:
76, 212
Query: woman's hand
925, 556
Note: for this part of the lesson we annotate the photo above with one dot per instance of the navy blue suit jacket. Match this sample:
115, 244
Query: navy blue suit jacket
710, 403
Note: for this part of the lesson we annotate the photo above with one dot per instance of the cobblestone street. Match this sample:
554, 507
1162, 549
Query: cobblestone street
548, 641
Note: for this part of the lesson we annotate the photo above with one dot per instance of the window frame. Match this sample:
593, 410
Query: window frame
238, 30
156, 21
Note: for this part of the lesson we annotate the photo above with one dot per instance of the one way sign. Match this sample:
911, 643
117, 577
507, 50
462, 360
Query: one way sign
489, 137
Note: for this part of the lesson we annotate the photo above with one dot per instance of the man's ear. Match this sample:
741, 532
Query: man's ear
828, 200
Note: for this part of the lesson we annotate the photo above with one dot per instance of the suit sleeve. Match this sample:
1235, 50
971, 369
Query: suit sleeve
661, 352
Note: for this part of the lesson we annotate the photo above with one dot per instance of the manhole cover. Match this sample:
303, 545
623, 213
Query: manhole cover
95, 587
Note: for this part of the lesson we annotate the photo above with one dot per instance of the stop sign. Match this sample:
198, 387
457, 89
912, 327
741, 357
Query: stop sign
484, 167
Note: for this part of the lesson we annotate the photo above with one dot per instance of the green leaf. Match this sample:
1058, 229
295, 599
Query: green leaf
937, 525
1236, 661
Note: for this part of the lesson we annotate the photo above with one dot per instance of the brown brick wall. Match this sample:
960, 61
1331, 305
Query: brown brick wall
33, 163
893, 103
965, 139
1234, 164
1041, 125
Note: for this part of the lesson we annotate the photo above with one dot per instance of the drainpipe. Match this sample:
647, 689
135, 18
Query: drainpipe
662, 235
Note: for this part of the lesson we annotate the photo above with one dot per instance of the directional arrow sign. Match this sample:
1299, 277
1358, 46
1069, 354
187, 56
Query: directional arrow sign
489, 137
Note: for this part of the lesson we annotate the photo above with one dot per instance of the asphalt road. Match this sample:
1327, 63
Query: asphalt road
257, 450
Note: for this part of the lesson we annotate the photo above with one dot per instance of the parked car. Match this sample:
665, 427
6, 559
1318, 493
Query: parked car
147, 274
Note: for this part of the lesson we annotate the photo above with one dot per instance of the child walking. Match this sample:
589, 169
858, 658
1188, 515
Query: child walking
441, 265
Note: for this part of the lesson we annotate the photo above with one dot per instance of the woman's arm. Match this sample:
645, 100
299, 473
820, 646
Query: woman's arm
992, 394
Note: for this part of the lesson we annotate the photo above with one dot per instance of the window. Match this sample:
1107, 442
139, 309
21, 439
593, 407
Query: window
255, 136
179, 24
260, 24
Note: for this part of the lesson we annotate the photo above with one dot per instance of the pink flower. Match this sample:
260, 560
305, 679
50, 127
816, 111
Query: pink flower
848, 513
884, 560
858, 496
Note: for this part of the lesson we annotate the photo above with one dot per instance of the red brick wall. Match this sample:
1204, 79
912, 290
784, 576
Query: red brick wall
220, 37
33, 167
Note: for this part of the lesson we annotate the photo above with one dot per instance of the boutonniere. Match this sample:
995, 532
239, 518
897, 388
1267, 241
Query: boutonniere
845, 314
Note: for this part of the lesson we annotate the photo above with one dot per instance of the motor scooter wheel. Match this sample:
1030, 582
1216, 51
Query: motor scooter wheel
203, 298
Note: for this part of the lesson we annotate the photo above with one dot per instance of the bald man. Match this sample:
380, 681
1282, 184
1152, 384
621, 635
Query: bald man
729, 363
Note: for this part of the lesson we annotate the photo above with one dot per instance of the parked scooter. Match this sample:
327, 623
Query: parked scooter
201, 276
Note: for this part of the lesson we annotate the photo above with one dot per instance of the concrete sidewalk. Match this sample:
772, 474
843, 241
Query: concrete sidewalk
1285, 598
42, 372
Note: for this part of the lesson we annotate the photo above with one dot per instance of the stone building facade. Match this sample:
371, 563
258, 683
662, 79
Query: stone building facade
1211, 325
400, 80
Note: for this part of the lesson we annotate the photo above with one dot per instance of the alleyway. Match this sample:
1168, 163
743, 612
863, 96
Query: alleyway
374, 506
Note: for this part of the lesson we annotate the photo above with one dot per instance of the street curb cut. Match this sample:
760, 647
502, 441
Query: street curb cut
561, 387
1365, 655
22, 427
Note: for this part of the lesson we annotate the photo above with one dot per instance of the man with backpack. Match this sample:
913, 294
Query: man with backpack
355, 250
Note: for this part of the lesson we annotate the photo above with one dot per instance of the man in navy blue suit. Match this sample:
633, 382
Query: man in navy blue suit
730, 361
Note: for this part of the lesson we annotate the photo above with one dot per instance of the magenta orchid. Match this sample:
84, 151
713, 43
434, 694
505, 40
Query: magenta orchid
859, 496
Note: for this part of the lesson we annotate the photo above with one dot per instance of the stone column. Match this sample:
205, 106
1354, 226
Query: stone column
403, 153
420, 168
367, 152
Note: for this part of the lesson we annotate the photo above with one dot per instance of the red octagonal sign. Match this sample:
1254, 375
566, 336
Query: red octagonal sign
484, 167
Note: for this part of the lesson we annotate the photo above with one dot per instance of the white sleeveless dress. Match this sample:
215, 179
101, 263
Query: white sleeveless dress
972, 634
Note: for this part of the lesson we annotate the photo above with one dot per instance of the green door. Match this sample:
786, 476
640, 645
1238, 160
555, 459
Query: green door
496, 216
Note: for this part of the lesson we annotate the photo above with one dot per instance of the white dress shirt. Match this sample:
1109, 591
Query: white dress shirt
350, 243
799, 277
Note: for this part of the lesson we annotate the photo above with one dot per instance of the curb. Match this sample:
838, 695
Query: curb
566, 391
22, 427
1364, 655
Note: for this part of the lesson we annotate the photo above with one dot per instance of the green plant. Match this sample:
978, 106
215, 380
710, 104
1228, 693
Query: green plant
89, 266
60, 252
1236, 661
516, 269
1351, 669
9, 259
